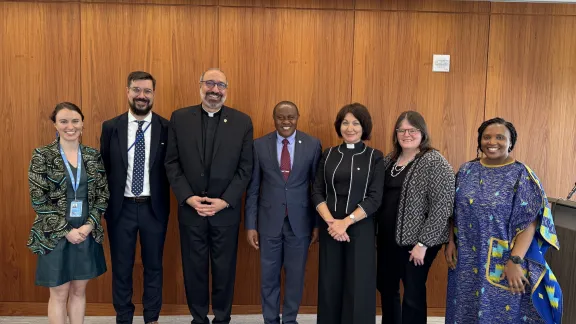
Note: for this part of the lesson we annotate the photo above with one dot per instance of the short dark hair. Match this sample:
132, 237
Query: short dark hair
416, 120
65, 105
499, 121
140, 75
285, 103
361, 113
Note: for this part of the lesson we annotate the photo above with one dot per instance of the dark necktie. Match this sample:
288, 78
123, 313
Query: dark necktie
139, 157
285, 160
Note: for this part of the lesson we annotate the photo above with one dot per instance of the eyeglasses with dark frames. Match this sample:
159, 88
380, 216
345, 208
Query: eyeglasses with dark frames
211, 83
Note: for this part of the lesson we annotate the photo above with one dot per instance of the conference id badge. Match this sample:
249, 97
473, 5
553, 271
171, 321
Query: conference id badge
76, 208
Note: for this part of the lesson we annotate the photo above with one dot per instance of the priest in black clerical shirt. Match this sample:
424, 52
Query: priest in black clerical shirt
209, 164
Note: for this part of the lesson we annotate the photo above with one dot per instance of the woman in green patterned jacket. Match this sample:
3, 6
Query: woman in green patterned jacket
69, 194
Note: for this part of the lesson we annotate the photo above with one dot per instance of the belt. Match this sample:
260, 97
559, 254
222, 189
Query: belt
141, 199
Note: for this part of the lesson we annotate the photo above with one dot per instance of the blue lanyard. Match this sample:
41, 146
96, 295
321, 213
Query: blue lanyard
75, 182
138, 138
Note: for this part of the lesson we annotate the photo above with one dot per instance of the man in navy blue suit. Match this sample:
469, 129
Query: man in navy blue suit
280, 221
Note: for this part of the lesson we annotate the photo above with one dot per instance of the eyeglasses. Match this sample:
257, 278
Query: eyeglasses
137, 91
410, 131
211, 83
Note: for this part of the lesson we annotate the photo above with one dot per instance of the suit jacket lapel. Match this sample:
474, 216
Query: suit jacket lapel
122, 128
298, 151
220, 131
273, 148
155, 139
196, 126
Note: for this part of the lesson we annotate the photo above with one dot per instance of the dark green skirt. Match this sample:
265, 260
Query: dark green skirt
69, 262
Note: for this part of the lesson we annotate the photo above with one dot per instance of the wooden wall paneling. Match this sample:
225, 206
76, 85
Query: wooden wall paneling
308, 4
393, 73
40, 67
520, 8
425, 5
175, 44
271, 55
531, 79
159, 2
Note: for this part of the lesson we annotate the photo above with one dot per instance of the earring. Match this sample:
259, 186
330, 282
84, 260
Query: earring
57, 135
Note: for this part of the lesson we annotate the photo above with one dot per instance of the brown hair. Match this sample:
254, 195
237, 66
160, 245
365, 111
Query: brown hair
416, 120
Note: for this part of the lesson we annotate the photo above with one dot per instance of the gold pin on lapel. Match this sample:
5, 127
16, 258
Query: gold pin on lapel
225, 120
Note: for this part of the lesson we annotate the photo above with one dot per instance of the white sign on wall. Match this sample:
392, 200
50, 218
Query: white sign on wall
440, 63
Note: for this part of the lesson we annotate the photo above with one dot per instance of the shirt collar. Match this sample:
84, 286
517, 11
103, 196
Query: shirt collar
289, 138
131, 118
211, 114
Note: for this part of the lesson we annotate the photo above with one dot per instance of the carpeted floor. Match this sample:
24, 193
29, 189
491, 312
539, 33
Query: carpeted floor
238, 319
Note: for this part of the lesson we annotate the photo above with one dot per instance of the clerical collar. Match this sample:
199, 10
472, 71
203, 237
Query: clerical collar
353, 147
211, 114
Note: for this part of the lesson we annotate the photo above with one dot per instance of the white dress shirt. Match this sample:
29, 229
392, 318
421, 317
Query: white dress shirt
132, 128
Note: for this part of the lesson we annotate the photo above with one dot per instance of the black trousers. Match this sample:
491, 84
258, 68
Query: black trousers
347, 276
209, 247
122, 233
393, 266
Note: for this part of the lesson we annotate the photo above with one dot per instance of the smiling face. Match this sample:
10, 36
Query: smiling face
495, 144
140, 97
69, 125
409, 137
286, 120
212, 95
351, 129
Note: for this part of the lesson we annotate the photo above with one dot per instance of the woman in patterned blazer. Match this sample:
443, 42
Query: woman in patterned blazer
413, 219
69, 194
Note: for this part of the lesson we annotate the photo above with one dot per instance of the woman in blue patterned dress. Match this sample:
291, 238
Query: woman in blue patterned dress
502, 227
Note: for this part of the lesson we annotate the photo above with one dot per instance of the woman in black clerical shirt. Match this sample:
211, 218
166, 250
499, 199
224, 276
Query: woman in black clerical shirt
347, 192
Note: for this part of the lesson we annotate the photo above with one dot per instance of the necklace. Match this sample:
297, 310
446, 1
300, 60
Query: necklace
396, 170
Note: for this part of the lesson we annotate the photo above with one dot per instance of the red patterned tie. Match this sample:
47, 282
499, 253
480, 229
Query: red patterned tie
285, 160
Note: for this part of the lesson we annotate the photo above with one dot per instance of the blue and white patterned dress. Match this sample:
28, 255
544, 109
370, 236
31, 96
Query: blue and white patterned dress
492, 206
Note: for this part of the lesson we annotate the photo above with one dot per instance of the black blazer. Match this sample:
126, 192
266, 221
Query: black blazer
367, 180
231, 166
114, 150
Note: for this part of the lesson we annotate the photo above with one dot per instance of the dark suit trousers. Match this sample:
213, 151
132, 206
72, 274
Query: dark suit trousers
291, 252
347, 276
205, 247
393, 266
122, 232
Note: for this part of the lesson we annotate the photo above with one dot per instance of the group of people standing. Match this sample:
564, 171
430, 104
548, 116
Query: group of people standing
380, 219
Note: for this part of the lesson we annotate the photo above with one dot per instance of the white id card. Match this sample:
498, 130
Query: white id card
76, 208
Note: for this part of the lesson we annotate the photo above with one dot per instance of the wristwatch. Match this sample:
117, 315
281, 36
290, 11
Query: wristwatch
422, 245
516, 259
353, 218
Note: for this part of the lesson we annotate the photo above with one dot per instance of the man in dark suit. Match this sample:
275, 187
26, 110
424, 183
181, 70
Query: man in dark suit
209, 163
133, 147
279, 219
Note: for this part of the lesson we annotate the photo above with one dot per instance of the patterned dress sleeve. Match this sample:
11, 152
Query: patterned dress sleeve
100, 202
48, 226
531, 205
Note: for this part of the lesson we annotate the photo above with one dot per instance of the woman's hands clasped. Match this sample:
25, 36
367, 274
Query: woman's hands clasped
337, 229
